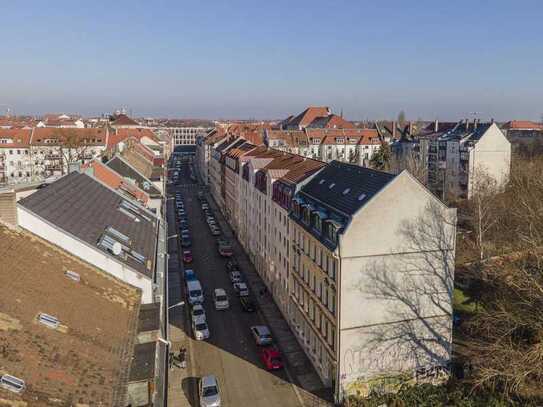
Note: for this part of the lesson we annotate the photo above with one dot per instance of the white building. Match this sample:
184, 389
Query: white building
371, 279
459, 158
100, 226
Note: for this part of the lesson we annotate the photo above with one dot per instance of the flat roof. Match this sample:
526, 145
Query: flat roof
149, 317
82, 360
143, 362
87, 209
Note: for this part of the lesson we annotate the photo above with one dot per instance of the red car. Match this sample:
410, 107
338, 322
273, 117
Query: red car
187, 256
271, 357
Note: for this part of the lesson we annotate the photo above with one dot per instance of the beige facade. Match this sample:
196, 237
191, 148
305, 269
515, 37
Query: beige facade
375, 307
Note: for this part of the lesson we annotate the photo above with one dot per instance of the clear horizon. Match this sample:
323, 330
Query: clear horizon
244, 60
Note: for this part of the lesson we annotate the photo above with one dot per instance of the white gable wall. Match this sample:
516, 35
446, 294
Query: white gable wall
92, 255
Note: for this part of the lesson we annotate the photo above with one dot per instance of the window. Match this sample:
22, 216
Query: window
332, 185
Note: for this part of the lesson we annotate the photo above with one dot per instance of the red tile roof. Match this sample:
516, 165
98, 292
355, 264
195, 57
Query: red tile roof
124, 120
114, 180
308, 115
86, 136
118, 135
523, 125
19, 138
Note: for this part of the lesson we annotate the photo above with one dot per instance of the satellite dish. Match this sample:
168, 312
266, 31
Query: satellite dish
117, 248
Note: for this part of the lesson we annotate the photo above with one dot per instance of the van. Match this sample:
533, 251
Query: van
195, 293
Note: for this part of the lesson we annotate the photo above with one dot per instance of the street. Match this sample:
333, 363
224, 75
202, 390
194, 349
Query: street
230, 353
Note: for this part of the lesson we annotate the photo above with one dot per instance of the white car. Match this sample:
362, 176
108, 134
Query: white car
241, 289
197, 311
200, 329
220, 299
235, 277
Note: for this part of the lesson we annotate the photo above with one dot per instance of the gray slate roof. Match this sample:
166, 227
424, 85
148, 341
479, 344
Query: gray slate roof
83, 207
123, 168
359, 180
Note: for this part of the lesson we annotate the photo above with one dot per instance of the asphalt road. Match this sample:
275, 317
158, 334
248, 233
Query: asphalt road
230, 353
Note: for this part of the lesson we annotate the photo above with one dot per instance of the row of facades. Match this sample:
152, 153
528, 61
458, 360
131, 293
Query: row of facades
360, 262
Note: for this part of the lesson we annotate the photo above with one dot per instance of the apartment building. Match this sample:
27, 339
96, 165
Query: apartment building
370, 299
204, 145
88, 219
283, 190
356, 146
233, 161
460, 158
32, 155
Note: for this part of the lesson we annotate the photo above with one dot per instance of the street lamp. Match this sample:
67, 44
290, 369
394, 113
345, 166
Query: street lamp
179, 304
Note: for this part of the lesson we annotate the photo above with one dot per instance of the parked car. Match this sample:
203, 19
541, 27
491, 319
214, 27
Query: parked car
197, 311
241, 289
235, 277
208, 391
215, 231
262, 335
200, 329
187, 256
220, 299
247, 304
189, 275
186, 243
195, 293
224, 247
232, 264
271, 357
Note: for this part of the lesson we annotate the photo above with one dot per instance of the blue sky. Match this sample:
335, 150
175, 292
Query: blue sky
266, 59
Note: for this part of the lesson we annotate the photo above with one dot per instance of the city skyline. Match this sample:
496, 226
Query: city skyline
264, 61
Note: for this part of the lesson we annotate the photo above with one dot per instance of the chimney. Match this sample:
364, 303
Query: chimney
410, 128
475, 123
436, 125
393, 129
467, 124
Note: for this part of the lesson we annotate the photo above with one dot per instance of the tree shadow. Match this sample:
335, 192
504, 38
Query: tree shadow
190, 390
413, 289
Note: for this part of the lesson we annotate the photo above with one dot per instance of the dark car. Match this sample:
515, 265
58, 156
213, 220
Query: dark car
187, 256
186, 243
232, 265
247, 304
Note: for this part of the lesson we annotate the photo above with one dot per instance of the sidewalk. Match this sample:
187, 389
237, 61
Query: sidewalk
178, 378
311, 388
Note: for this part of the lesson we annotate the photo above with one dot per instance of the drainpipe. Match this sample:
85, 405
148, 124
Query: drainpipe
337, 391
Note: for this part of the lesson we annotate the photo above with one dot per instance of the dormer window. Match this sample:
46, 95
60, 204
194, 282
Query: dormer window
322, 181
332, 185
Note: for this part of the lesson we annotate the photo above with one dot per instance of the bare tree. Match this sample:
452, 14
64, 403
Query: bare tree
411, 161
484, 190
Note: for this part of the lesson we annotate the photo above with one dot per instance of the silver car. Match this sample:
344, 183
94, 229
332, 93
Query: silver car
209, 392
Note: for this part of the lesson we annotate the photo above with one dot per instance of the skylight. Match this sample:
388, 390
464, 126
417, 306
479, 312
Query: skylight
346, 191
361, 197
73, 275
332, 185
48, 320
322, 181
115, 233
12, 383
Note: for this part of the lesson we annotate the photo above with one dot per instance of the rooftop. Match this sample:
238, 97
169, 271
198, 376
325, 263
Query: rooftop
345, 187
123, 120
85, 208
127, 170
143, 362
81, 360
149, 317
